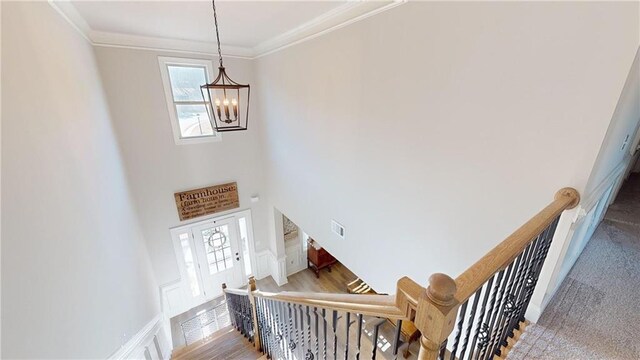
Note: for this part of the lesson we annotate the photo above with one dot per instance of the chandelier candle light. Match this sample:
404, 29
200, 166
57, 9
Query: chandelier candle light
229, 110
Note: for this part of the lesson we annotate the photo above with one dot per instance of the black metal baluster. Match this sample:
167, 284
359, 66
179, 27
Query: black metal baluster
252, 331
284, 330
247, 317
443, 350
274, 326
518, 290
270, 334
346, 346
396, 339
297, 329
309, 354
265, 331
324, 330
511, 308
292, 331
276, 331
486, 289
482, 331
472, 314
506, 305
335, 335
540, 263
315, 312
486, 353
376, 328
261, 326
302, 330
270, 330
456, 339
522, 283
359, 336
243, 318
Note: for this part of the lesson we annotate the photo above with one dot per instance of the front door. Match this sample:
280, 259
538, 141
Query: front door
219, 255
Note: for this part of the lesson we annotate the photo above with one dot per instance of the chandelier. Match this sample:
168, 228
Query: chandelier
227, 101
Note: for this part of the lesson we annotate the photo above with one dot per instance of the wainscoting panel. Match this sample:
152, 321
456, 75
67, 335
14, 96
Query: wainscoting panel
150, 343
174, 301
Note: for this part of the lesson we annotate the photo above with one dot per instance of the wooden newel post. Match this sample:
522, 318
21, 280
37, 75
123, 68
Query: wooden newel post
436, 315
254, 313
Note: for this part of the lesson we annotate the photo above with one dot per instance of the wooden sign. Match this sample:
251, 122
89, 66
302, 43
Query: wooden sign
208, 200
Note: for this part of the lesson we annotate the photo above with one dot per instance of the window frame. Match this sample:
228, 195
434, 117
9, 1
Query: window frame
164, 62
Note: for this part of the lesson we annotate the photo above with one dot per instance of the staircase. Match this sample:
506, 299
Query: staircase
478, 315
226, 343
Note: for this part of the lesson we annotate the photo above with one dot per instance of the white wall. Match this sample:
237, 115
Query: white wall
624, 124
606, 177
157, 167
76, 278
433, 130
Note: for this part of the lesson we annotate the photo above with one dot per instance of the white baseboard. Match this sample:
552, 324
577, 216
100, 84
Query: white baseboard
279, 269
269, 264
150, 343
533, 313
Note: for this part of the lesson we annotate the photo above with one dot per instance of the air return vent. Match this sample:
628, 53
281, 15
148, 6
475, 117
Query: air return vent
337, 228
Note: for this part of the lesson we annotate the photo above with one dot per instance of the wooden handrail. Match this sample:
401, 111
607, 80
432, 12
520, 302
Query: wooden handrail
504, 253
433, 309
243, 292
375, 305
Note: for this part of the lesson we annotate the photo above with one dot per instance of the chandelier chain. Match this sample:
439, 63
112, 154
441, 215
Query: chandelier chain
215, 20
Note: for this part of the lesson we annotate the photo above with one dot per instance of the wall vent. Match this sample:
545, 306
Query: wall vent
337, 228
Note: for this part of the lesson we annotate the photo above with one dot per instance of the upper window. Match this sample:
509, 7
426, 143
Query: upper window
182, 79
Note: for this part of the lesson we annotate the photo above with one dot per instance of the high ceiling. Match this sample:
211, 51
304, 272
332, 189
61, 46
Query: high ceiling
253, 27
242, 23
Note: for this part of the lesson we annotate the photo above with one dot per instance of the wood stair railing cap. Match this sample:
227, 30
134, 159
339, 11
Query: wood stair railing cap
442, 289
569, 193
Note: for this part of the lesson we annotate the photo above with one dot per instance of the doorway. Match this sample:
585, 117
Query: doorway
212, 252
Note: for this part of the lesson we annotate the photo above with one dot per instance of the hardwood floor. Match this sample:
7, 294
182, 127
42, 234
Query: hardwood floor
336, 282
304, 281
329, 282
226, 343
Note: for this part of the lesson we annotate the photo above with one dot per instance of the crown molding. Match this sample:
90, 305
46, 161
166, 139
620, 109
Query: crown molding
341, 16
72, 16
349, 13
109, 39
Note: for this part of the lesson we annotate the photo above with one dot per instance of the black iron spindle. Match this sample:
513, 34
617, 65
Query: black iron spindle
495, 313
507, 299
309, 354
346, 346
315, 312
443, 350
538, 265
302, 332
511, 307
335, 334
324, 330
456, 340
396, 339
481, 327
359, 336
520, 284
376, 329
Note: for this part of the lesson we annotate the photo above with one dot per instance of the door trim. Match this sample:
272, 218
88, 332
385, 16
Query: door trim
190, 300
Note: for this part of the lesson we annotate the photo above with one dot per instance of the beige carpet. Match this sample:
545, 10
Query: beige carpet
596, 312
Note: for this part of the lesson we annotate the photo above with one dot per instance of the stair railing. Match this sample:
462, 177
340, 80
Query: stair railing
484, 305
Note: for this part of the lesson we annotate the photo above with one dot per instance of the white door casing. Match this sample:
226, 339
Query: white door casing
219, 255
200, 279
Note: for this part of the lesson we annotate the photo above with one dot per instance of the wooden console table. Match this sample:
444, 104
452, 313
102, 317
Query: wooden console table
318, 258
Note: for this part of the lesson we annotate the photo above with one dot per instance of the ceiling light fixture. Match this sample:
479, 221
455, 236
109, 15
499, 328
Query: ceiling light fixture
227, 101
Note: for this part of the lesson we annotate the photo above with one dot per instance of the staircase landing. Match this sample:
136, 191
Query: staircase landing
226, 343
